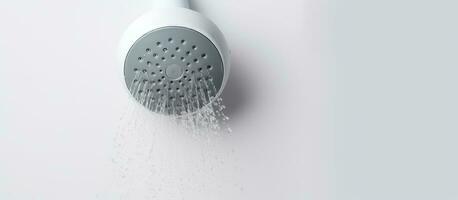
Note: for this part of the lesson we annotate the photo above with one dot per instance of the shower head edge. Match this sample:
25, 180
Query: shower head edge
182, 17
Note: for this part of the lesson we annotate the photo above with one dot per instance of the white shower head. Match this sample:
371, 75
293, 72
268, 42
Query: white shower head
174, 60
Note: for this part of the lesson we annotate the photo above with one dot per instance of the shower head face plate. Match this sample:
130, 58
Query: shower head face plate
173, 70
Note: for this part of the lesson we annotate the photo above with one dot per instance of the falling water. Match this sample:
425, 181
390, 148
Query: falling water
174, 151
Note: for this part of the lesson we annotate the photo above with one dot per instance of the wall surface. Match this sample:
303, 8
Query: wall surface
328, 100
62, 99
395, 99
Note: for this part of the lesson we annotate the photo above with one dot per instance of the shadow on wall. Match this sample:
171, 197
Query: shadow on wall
235, 94
194, 5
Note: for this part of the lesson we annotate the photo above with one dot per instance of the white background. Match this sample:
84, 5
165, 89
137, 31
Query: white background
328, 99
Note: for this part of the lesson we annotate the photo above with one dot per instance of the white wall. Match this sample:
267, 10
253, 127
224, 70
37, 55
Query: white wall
327, 99
61, 100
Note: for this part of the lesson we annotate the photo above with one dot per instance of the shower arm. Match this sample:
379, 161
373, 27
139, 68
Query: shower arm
172, 3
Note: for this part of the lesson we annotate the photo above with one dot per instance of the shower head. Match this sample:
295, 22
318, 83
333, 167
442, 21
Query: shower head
174, 60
